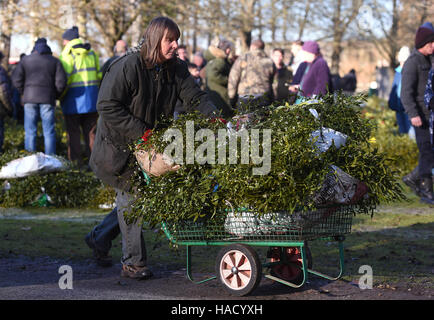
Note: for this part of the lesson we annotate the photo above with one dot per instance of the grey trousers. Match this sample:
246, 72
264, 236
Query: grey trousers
133, 244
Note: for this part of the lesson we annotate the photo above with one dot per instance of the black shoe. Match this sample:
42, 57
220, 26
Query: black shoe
135, 272
101, 258
426, 191
412, 180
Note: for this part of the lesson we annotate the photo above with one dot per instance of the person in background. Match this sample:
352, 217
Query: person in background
200, 62
251, 78
18, 113
6, 104
296, 80
40, 79
180, 108
194, 71
429, 102
383, 77
394, 101
217, 75
120, 49
349, 83
297, 55
282, 76
316, 79
182, 53
414, 79
78, 102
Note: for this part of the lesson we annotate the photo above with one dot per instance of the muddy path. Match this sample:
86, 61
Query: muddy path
26, 278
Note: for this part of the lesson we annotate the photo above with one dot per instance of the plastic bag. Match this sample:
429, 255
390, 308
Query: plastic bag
43, 200
249, 224
34, 164
340, 188
325, 137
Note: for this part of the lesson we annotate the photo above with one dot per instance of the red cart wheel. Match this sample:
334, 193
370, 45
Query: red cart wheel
290, 266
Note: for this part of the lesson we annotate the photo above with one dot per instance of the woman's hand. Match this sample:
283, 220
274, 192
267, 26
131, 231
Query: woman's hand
294, 87
155, 164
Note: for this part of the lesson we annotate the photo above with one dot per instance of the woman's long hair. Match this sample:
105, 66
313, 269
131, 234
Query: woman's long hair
154, 33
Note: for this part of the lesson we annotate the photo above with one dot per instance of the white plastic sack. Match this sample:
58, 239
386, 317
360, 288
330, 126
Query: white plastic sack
326, 136
249, 224
34, 164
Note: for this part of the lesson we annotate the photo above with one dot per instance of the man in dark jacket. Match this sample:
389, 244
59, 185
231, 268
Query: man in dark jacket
349, 82
414, 79
120, 49
282, 77
40, 78
136, 91
6, 104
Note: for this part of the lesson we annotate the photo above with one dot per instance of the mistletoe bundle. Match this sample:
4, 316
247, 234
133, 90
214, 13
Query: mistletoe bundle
270, 160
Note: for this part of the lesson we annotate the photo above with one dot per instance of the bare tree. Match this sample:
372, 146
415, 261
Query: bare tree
8, 9
334, 19
394, 24
342, 18
303, 17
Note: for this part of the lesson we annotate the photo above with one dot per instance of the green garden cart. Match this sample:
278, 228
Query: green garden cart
288, 260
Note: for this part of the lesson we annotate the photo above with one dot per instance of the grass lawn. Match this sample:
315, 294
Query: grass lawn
397, 242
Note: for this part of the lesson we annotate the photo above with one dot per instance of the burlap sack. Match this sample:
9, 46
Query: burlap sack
154, 163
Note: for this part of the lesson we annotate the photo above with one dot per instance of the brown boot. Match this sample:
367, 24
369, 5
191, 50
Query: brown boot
135, 272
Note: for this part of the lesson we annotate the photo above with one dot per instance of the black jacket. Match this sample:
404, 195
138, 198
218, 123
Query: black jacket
6, 104
130, 101
40, 78
413, 82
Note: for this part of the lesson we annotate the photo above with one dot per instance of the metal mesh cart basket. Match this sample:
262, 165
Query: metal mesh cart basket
286, 235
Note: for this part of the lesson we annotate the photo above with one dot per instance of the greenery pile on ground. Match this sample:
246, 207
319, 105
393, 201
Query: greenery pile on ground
203, 191
400, 148
69, 189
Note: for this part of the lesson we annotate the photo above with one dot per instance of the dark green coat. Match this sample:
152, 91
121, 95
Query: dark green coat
130, 101
217, 74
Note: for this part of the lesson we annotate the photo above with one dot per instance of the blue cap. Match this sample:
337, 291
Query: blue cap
71, 34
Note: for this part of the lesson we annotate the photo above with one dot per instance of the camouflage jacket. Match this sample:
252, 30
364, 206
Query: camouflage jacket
251, 74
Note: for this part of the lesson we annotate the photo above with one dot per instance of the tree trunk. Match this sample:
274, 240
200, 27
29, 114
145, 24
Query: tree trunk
82, 19
394, 37
7, 12
303, 22
336, 54
246, 39
195, 26
337, 38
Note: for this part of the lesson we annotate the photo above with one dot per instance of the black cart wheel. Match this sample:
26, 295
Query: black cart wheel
238, 269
